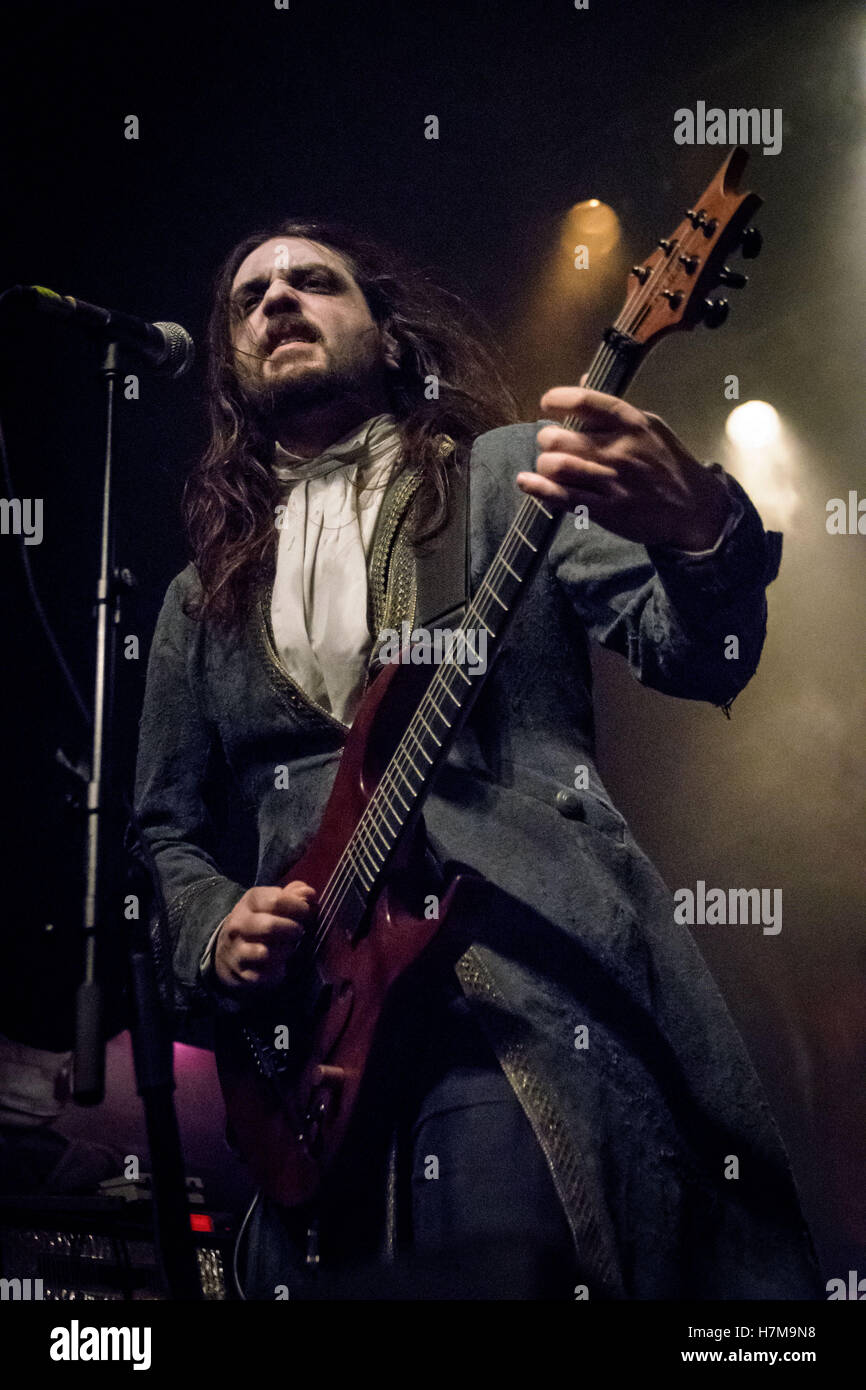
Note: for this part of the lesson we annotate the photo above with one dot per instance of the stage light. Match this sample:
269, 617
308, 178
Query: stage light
592, 224
763, 456
753, 425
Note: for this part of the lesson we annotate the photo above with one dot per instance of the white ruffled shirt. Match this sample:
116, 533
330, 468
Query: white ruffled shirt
329, 507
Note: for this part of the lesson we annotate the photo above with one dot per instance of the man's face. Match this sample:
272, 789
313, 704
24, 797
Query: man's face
301, 329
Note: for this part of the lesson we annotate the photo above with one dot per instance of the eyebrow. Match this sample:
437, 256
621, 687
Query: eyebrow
261, 282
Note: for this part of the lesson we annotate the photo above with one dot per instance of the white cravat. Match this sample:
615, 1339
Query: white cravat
319, 604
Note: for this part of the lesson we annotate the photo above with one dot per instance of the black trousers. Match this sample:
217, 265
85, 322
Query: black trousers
443, 1193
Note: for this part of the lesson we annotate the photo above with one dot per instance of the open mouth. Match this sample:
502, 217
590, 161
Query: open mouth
292, 340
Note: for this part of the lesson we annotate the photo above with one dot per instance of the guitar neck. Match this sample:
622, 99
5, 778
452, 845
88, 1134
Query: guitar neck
453, 689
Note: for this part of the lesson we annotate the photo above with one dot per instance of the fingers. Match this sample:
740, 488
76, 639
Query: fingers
296, 900
255, 964
262, 932
241, 958
581, 448
548, 491
600, 410
265, 927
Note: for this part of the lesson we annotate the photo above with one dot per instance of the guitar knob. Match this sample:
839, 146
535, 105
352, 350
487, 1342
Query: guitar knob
327, 1076
715, 312
733, 278
751, 244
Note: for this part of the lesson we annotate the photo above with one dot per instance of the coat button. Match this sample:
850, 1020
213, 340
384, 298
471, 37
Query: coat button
568, 803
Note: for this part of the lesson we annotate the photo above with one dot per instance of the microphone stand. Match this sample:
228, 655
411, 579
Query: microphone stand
150, 1024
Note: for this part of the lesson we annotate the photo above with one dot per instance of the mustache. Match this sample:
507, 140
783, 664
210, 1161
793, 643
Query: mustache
295, 328
264, 346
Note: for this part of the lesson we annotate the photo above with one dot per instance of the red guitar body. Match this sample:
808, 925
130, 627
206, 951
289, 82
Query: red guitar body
290, 1120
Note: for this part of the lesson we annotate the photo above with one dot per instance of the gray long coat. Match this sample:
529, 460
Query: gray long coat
576, 927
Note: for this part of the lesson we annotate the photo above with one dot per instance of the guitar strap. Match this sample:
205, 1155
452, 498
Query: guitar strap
442, 564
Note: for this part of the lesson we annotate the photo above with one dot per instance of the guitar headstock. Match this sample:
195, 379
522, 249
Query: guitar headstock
673, 284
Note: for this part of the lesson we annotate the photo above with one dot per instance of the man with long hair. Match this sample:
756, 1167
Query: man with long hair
554, 1112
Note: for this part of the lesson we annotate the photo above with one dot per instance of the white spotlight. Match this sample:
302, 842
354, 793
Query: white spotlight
753, 425
763, 456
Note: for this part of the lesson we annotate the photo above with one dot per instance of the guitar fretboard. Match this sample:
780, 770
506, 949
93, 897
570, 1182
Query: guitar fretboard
459, 675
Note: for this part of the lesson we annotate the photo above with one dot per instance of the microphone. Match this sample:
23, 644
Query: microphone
165, 346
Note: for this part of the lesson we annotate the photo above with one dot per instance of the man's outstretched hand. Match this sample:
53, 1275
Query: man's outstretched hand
629, 469
260, 934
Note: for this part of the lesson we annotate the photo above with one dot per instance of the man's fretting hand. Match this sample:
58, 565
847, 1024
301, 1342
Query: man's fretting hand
261, 933
629, 469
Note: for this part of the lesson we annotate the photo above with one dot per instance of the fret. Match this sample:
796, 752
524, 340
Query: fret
376, 831
438, 710
398, 768
485, 584
366, 849
436, 740
526, 541
511, 571
410, 733
360, 868
419, 740
409, 785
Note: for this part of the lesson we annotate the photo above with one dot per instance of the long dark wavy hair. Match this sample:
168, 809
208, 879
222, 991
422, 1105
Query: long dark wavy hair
231, 493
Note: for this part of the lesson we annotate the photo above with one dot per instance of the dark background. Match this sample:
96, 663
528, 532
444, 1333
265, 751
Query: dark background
248, 114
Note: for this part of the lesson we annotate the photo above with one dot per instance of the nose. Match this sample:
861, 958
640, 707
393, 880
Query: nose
278, 296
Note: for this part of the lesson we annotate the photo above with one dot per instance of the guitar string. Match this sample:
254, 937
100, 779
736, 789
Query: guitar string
363, 843
350, 866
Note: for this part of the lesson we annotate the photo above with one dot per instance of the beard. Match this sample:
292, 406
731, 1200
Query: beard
276, 401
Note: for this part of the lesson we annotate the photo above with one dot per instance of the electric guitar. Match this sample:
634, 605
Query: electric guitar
290, 1107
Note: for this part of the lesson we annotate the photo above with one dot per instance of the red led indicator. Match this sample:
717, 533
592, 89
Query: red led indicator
200, 1221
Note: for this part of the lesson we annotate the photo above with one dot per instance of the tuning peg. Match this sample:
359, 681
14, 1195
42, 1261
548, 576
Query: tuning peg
733, 278
715, 312
751, 243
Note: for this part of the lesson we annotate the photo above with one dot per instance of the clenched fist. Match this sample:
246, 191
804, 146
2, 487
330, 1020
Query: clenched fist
261, 933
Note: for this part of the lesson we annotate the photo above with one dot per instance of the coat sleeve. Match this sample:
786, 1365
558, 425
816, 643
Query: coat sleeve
688, 625
176, 751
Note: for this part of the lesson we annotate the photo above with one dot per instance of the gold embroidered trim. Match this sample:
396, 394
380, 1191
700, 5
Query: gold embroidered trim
392, 560
281, 682
595, 1252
